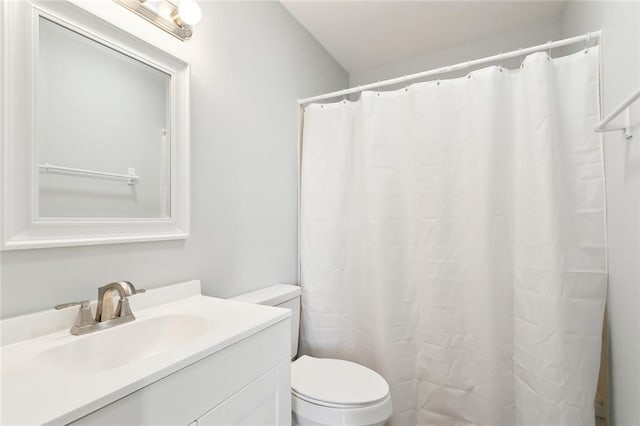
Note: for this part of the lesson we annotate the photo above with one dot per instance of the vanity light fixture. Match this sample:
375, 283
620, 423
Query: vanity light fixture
176, 18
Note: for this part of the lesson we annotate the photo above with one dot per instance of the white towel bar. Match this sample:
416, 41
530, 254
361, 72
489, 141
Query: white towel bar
131, 177
624, 106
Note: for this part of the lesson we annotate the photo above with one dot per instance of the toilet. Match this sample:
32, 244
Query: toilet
326, 391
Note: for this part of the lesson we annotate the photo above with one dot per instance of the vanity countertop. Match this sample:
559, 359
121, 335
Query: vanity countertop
52, 377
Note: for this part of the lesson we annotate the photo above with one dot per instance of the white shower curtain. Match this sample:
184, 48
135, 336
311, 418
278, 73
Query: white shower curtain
453, 239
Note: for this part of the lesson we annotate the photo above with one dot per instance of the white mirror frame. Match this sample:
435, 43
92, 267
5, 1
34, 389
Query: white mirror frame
20, 226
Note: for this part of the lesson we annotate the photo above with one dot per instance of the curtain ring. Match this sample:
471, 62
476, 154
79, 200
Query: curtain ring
344, 97
468, 69
500, 59
521, 58
438, 75
549, 50
586, 42
406, 83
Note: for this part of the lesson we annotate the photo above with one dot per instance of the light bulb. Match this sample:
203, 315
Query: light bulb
164, 9
189, 12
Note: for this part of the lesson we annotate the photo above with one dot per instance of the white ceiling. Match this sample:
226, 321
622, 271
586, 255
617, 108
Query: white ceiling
361, 35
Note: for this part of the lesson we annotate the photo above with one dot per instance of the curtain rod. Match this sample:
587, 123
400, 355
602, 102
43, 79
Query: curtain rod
463, 65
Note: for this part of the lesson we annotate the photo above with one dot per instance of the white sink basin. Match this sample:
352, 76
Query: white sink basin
51, 377
124, 343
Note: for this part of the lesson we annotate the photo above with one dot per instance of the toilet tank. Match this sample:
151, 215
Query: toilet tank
282, 296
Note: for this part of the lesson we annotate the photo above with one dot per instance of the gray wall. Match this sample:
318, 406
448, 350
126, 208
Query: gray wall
620, 23
504, 42
251, 62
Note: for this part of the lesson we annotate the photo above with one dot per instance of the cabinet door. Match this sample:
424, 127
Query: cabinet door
214, 417
262, 402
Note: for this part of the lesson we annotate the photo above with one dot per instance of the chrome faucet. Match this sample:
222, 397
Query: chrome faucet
105, 310
107, 315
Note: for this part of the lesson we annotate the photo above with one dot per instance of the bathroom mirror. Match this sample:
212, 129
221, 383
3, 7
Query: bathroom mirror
102, 129
96, 137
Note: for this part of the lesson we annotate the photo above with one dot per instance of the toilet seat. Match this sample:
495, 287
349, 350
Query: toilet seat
337, 392
330, 404
336, 382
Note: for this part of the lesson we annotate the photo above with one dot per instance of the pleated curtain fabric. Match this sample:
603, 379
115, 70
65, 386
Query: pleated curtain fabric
453, 239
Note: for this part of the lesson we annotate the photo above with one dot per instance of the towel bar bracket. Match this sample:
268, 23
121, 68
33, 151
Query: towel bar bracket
623, 107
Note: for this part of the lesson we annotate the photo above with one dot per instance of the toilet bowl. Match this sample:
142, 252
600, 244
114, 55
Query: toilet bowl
326, 391
336, 392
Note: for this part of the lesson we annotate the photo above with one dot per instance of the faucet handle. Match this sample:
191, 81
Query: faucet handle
123, 309
83, 305
83, 318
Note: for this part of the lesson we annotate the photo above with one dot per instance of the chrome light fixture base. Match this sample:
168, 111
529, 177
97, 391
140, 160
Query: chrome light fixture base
173, 26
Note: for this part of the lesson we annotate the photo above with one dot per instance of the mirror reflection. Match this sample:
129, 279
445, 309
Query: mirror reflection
103, 130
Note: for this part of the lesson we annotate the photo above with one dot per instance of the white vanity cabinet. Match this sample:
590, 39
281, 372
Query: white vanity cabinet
186, 358
246, 383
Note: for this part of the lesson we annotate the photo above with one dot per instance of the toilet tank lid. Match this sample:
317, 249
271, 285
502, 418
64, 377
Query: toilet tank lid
273, 295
